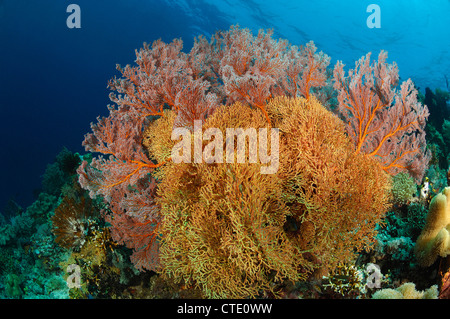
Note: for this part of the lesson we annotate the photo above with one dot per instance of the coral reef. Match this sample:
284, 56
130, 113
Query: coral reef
234, 66
383, 122
29, 255
174, 201
237, 223
225, 227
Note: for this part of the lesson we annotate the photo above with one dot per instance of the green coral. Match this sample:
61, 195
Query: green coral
42, 207
415, 220
396, 237
12, 286
446, 129
7, 232
7, 264
403, 188
24, 224
62, 171
17, 226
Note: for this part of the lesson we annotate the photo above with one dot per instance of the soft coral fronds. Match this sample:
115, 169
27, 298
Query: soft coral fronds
384, 122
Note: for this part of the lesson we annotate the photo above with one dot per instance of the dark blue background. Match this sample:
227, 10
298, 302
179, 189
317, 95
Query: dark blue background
53, 80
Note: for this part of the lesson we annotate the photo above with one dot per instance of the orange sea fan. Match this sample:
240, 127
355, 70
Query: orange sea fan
342, 194
385, 123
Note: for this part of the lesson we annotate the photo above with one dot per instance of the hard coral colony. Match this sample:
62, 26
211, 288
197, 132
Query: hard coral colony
222, 226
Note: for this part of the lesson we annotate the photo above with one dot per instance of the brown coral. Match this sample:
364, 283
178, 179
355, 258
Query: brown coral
71, 221
235, 232
223, 223
342, 194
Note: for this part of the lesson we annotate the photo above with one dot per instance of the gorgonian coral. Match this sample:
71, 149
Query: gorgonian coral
236, 228
223, 223
234, 66
384, 122
339, 194
235, 232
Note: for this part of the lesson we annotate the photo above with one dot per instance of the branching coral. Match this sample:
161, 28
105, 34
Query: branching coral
236, 232
234, 66
217, 222
385, 123
21, 224
326, 184
223, 223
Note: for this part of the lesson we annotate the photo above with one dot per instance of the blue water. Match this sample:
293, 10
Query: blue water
53, 79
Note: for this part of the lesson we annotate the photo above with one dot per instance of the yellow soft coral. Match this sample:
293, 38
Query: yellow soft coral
157, 137
340, 194
235, 233
223, 222
434, 240
406, 291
